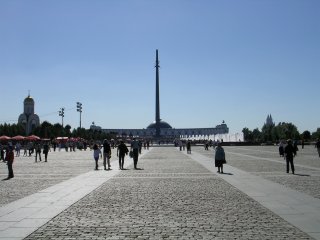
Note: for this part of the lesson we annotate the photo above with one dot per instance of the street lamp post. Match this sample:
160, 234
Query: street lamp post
61, 113
79, 109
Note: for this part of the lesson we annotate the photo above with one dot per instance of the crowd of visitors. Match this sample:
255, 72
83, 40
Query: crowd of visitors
287, 149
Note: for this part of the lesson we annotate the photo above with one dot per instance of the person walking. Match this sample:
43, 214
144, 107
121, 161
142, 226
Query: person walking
54, 145
189, 147
121, 152
18, 148
289, 154
45, 151
317, 145
38, 151
9, 159
295, 147
206, 145
140, 146
30, 148
106, 154
135, 150
219, 158
25, 150
96, 154
180, 145
281, 149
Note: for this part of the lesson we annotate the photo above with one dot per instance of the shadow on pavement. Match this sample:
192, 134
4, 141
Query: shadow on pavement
303, 175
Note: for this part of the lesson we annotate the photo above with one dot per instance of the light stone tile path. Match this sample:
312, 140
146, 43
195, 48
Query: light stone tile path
173, 196
299, 209
20, 218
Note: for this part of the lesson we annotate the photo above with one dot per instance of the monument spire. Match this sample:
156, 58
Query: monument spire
157, 90
158, 124
157, 96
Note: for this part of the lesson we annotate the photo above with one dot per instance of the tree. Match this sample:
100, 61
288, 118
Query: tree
306, 135
247, 134
256, 135
67, 129
267, 132
58, 130
316, 135
45, 130
287, 131
11, 129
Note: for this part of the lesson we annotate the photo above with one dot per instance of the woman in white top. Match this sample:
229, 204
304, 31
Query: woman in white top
96, 153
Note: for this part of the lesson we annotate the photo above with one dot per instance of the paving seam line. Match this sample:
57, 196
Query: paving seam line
303, 211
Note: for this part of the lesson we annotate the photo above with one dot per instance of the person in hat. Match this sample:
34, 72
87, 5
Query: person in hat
289, 155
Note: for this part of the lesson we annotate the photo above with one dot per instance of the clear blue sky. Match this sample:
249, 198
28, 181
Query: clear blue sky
230, 60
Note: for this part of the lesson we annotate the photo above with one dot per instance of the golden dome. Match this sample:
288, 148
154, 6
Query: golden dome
28, 100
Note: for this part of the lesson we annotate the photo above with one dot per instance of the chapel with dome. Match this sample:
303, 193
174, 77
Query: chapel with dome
28, 119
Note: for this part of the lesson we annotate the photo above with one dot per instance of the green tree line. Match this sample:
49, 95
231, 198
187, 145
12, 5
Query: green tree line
51, 131
275, 133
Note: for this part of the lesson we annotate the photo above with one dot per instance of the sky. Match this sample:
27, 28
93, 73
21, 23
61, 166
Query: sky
230, 60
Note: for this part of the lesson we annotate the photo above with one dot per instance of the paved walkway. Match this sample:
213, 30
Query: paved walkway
173, 196
299, 209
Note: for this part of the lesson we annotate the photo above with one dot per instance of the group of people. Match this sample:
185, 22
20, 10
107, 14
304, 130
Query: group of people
183, 144
7, 154
122, 151
29, 148
289, 151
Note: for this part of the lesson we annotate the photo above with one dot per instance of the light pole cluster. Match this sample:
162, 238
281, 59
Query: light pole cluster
79, 109
61, 113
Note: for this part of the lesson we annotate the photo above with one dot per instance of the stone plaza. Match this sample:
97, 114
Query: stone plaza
174, 195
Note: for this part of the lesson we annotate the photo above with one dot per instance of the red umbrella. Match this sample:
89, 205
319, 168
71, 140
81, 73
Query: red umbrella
32, 138
4, 138
18, 138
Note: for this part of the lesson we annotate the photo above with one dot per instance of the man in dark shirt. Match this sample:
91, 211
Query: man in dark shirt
121, 152
289, 154
106, 154
135, 148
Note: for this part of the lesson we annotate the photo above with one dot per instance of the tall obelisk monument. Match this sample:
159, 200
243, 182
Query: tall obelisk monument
157, 96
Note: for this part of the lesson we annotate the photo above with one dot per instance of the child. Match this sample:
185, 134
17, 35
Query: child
96, 153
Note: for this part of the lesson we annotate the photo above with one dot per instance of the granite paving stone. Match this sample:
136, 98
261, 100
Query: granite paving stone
171, 197
264, 161
32, 177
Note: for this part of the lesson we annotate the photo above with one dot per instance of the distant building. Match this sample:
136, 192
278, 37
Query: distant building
168, 132
269, 121
28, 119
94, 127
